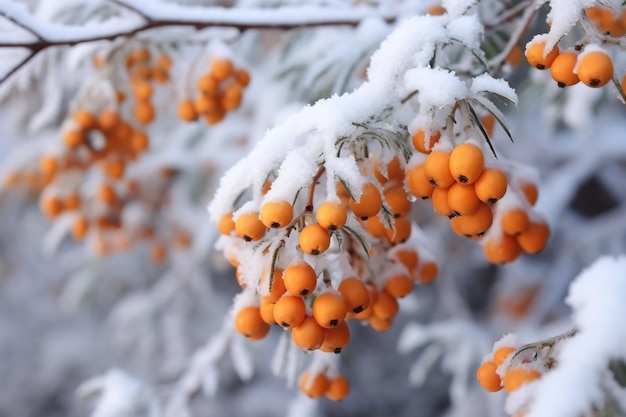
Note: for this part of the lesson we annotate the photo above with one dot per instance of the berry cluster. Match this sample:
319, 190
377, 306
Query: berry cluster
588, 61
463, 188
219, 91
319, 384
142, 73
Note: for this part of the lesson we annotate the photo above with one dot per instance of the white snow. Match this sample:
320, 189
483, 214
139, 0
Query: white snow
597, 299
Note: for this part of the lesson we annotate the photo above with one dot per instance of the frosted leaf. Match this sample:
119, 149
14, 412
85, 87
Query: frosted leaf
469, 31
438, 88
485, 83
412, 337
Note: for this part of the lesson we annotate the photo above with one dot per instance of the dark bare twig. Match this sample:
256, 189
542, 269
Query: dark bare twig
150, 23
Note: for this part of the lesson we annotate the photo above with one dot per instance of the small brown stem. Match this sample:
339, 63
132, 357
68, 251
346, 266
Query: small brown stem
309, 202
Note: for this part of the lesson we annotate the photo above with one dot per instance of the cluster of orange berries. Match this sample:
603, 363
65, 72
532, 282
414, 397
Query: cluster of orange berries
143, 73
591, 64
462, 188
500, 370
303, 296
317, 385
219, 91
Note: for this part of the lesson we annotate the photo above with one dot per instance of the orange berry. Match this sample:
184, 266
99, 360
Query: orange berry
422, 144
394, 171
437, 169
157, 253
595, 69
399, 285
466, 163
531, 192
144, 111
232, 97
501, 354
51, 207
300, 279
164, 61
72, 202
536, 58
515, 378
386, 306
380, 325
491, 185
160, 75
338, 389
355, 294
137, 56
409, 258
336, 338
400, 231
289, 311
139, 141
114, 168
376, 227
440, 202
398, 201
501, 250
249, 323
123, 132
369, 204
48, 165
182, 239
314, 239
214, 117
108, 119
436, 10
514, 221
417, 182
208, 85
562, 69
477, 223
73, 138
428, 272
141, 89
488, 378
534, 238
226, 225
276, 214
187, 110
308, 335
249, 227
314, 387
107, 194
80, 225
267, 310
462, 199
242, 77
206, 104
222, 68
331, 216
329, 309
85, 119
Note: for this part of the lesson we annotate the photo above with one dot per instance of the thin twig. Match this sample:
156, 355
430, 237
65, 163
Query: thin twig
17, 67
509, 15
528, 16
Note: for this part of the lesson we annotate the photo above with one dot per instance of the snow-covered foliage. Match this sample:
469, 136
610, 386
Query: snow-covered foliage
377, 189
